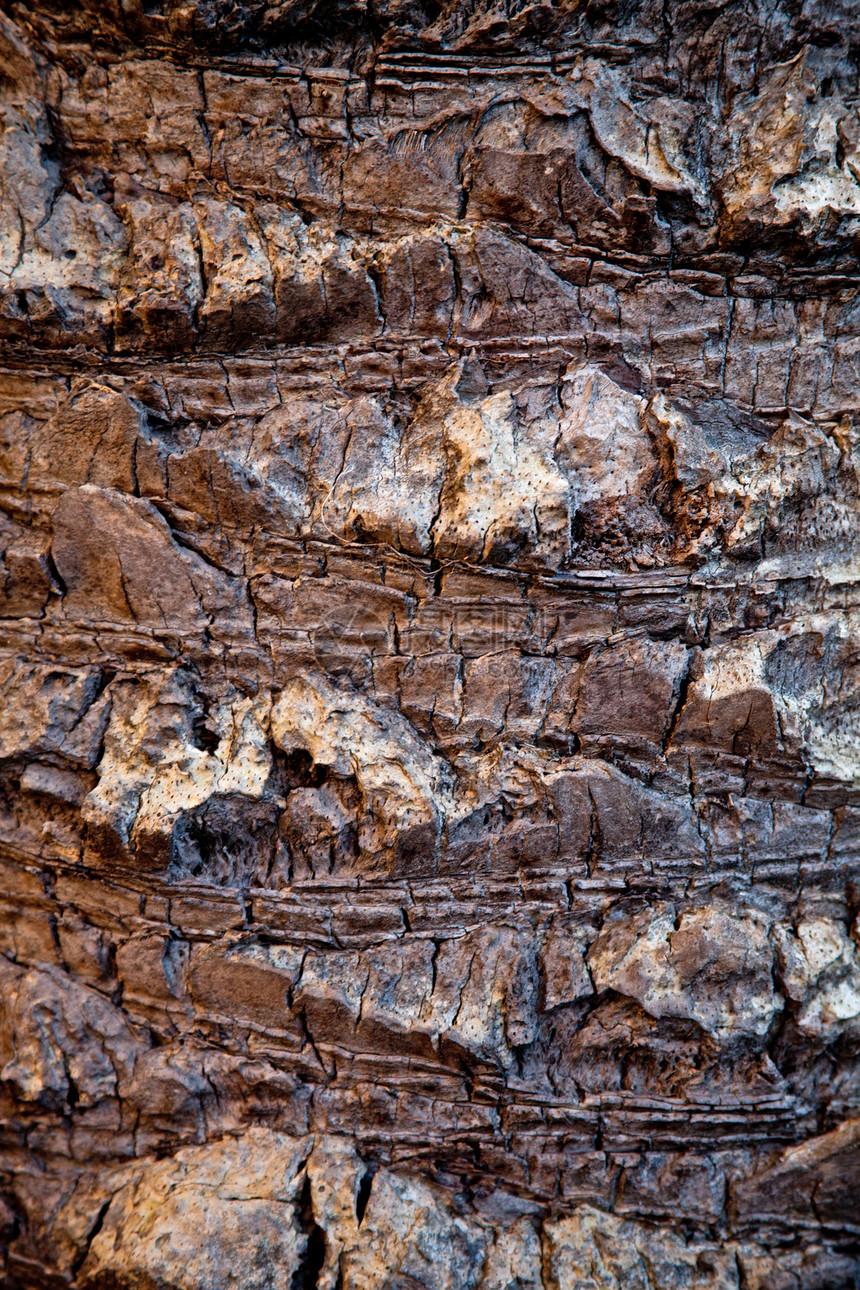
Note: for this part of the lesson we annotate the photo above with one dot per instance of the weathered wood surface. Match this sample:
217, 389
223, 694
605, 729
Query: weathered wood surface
430, 642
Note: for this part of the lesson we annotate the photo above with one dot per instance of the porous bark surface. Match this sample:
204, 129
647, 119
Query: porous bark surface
430, 645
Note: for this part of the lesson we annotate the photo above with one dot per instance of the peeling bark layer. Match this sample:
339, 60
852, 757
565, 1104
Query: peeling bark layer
430, 737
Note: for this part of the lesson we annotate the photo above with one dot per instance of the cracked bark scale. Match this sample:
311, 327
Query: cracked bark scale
430, 733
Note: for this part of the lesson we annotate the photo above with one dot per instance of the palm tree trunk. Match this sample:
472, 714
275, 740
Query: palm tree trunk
429, 748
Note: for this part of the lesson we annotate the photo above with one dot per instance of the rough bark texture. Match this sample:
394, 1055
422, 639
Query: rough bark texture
430, 731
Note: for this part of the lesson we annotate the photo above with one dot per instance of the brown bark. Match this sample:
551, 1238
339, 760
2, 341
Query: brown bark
429, 749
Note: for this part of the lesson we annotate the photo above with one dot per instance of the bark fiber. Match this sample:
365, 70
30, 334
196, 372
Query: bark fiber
429, 645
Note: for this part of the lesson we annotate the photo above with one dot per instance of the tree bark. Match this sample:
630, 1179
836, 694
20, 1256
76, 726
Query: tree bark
430, 737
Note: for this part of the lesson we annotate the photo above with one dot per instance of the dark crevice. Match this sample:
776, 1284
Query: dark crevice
436, 570
362, 1195
312, 1258
81, 1256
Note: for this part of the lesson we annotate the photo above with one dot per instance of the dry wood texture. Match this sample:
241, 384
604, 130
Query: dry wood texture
430, 645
